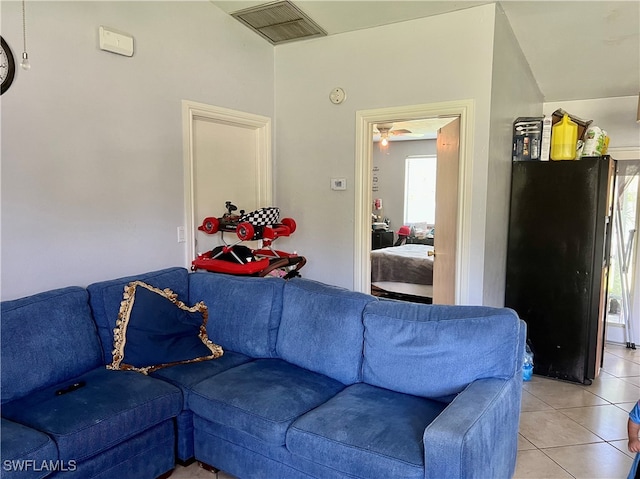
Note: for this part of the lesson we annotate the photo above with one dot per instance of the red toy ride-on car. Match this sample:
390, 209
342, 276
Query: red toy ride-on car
263, 224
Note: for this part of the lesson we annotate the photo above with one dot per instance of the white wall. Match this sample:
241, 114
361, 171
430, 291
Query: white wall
92, 147
92, 142
391, 181
441, 58
514, 93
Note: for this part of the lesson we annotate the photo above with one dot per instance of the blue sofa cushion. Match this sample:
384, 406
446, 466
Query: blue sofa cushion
436, 351
244, 312
105, 298
111, 407
366, 431
321, 329
40, 338
156, 330
24, 450
262, 398
186, 376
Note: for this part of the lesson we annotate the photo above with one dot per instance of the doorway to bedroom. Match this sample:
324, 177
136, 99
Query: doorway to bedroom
403, 217
405, 183
454, 148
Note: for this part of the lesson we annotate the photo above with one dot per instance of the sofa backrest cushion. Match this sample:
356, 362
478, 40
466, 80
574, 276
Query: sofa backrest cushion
244, 312
435, 351
47, 338
105, 298
321, 329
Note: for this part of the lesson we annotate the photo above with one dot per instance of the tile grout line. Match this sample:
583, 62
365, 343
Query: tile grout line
555, 462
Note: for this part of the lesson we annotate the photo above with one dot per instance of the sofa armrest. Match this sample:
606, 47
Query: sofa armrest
477, 434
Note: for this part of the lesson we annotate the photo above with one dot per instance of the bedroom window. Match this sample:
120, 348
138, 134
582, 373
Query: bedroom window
420, 191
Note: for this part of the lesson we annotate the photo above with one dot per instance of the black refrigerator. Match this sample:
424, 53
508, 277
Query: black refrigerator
557, 261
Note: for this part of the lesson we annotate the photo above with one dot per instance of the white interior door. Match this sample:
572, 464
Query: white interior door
224, 169
227, 158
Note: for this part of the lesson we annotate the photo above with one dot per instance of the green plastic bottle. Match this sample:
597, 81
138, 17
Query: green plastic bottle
564, 139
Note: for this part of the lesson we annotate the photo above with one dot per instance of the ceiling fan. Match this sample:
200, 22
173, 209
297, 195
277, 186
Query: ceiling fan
386, 131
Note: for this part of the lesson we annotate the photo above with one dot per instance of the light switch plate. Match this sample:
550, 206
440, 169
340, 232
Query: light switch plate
338, 184
181, 235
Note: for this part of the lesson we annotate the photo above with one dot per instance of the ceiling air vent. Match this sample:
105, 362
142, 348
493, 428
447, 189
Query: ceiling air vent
279, 22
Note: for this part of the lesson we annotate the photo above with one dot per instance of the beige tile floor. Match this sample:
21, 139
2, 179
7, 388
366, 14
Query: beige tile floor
573, 431
566, 430
194, 471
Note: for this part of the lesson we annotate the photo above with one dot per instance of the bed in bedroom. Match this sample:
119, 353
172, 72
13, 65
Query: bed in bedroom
405, 270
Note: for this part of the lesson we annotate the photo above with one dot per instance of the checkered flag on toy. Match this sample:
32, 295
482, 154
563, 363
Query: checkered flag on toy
262, 217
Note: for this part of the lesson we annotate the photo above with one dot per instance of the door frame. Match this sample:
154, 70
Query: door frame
623, 154
193, 111
365, 119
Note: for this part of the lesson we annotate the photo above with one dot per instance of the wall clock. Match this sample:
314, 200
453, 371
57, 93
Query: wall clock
7, 66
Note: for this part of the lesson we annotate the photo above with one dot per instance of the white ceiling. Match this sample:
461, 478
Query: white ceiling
577, 50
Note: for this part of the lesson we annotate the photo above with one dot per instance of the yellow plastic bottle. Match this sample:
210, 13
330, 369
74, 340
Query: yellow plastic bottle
564, 139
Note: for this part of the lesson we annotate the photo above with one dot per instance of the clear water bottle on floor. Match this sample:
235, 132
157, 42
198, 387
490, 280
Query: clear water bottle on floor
527, 366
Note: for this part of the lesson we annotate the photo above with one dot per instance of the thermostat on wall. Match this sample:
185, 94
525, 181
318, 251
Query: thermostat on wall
116, 42
338, 183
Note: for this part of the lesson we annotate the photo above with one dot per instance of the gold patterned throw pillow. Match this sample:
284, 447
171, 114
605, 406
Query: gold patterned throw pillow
155, 330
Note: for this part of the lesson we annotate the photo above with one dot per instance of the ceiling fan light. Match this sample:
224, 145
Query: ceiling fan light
384, 142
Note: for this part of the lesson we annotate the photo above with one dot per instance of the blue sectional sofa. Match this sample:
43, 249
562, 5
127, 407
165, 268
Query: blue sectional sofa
315, 382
